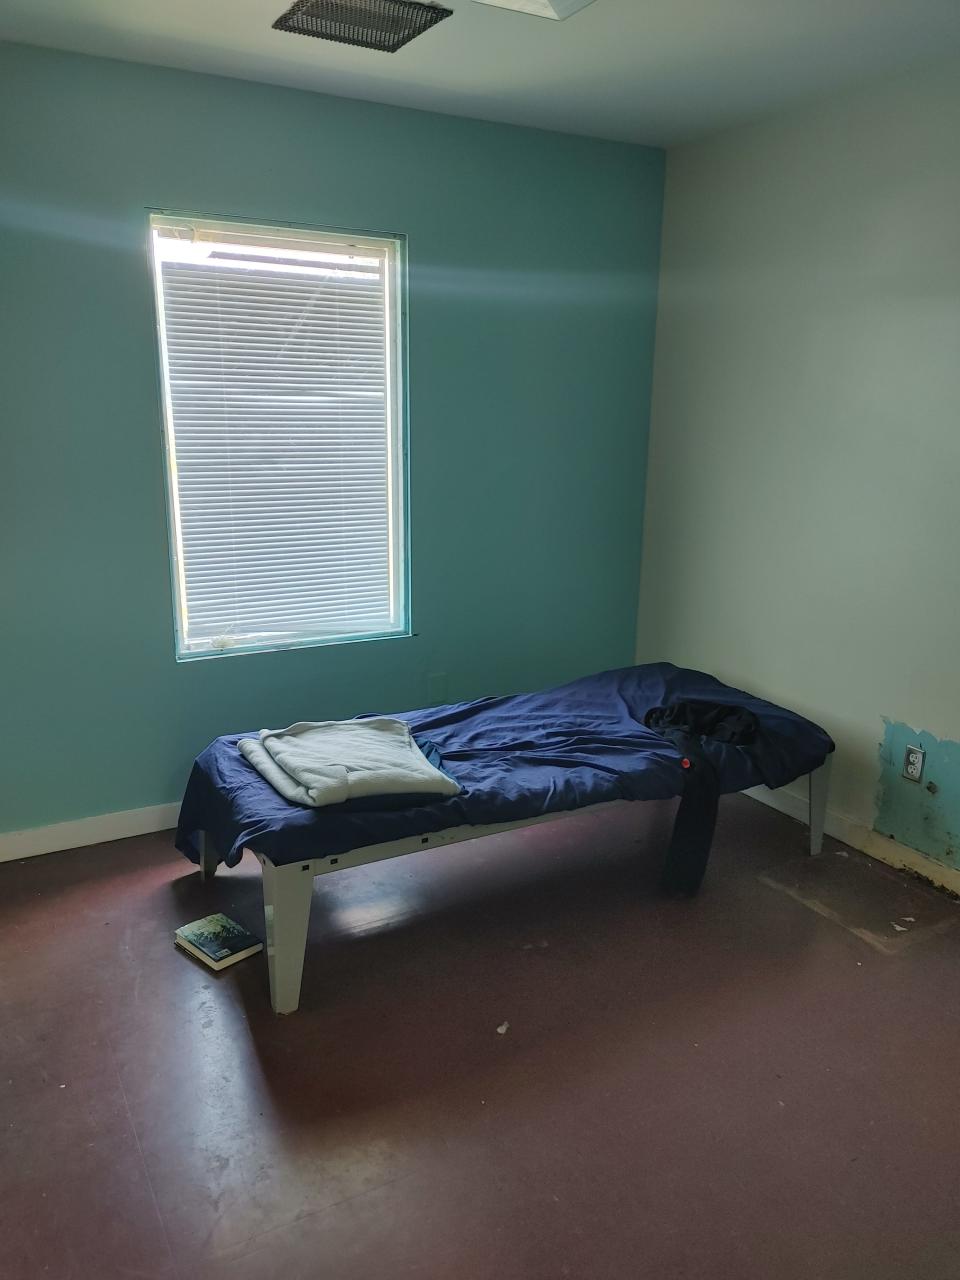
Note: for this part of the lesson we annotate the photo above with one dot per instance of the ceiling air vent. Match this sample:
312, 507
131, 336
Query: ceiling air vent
371, 24
556, 9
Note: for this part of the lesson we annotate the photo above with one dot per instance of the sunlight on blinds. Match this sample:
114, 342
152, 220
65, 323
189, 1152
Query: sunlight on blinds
281, 367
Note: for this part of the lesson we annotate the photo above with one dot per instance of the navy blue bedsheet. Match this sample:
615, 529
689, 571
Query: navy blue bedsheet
515, 757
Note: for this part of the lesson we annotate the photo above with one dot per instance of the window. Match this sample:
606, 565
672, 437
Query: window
281, 351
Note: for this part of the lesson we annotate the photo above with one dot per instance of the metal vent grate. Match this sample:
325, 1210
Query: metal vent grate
372, 24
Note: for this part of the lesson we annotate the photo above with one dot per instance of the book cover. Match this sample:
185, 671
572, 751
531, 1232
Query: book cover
217, 940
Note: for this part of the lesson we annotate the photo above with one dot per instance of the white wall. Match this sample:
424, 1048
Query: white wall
803, 517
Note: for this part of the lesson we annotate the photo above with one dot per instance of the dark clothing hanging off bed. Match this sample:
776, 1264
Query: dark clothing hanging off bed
689, 724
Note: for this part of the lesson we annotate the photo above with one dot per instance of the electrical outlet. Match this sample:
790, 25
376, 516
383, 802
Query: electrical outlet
913, 763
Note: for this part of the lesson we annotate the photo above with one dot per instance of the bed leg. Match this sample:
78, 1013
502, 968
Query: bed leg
208, 857
287, 894
819, 782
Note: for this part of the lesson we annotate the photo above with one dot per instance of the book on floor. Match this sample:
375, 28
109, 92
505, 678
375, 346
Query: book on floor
217, 940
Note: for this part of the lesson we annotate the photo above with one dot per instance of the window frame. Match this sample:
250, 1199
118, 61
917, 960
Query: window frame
396, 298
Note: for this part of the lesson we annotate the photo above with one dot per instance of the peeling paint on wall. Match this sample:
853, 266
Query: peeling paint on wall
924, 815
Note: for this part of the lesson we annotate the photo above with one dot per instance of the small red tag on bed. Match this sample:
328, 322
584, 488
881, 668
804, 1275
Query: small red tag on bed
685, 762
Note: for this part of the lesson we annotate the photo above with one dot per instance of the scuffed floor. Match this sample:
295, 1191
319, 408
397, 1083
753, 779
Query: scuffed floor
513, 1061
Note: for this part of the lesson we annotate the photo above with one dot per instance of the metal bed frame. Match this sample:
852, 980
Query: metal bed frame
288, 889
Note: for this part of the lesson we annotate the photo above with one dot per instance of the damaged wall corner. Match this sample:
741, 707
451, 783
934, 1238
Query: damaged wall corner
924, 815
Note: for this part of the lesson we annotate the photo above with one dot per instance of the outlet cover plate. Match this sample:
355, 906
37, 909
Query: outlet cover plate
913, 759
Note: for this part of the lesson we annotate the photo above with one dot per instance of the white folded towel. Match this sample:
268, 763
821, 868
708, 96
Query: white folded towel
327, 762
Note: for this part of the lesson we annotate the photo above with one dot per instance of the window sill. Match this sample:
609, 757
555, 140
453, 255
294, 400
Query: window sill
237, 650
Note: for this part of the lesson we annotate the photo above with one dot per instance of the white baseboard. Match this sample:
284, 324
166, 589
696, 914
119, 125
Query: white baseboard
868, 841
84, 831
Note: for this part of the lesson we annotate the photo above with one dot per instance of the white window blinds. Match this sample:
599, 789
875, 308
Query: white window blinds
281, 359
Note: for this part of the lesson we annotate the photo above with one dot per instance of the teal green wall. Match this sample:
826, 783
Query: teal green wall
533, 271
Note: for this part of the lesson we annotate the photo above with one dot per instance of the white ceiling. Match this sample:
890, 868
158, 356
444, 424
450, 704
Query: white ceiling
655, 71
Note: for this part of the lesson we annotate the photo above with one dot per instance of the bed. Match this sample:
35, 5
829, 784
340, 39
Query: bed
519, 759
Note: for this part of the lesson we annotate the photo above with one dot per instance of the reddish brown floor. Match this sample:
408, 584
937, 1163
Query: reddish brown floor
758, 1085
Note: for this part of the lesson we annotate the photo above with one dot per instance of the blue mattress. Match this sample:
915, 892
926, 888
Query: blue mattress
514, 757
